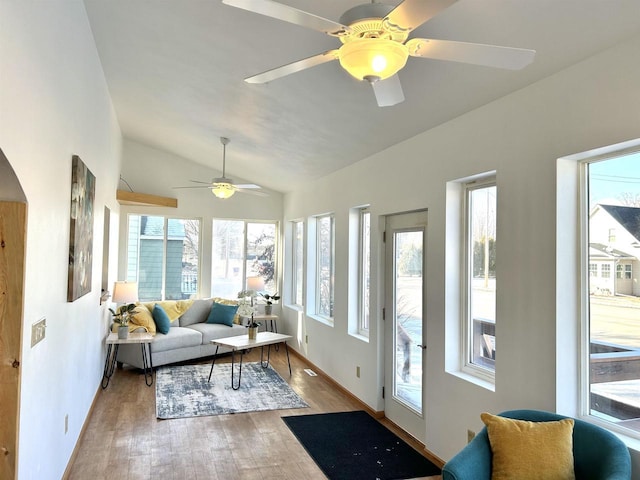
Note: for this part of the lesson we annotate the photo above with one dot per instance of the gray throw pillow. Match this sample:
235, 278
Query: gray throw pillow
196, 313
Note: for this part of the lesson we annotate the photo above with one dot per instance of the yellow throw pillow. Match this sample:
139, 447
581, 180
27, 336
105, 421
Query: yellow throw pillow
524, 450
142, 317
173, 308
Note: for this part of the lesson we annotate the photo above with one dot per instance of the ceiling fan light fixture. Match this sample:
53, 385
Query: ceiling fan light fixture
223, 190
373, 57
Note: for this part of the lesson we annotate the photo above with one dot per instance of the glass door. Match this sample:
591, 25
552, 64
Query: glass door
404, 321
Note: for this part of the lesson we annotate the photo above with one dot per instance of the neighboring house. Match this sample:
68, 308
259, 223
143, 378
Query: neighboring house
614, 250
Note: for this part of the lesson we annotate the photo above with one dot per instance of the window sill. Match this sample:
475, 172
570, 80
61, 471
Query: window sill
359, 336
295, 308
324, 320
474, 379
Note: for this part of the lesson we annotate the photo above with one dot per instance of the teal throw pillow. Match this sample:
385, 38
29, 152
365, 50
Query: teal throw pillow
222, 314
163, 323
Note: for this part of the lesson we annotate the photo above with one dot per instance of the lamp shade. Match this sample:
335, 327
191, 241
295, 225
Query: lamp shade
223, 190
255, 283
373, 58
125, 292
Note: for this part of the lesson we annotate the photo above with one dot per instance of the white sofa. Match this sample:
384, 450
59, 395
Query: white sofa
189, 337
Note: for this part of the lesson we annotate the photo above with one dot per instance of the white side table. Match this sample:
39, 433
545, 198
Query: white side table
272, 326
113, 342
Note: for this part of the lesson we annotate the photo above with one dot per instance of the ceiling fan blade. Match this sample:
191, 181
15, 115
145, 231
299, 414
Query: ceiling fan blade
200, 181
208, 185
253, 192
474, 53
411, 14
294, 67
248, 186
291, 15
388, 92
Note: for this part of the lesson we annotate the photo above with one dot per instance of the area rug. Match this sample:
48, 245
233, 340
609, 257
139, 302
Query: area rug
355, 446
183, 391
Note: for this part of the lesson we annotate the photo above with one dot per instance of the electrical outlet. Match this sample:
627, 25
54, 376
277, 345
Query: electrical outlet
66, 423
470, 435
358, 372
38, 330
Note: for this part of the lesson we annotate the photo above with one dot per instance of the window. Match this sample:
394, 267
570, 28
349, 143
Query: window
593, 270
163, 256
242, 249
325, 265
364, 270
623, 272
611, 220
480, 276
297, 269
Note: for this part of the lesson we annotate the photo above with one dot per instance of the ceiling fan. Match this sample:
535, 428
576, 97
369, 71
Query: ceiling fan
374, 49
223, 187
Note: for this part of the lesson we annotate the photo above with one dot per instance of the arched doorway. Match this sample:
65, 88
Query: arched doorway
13, 237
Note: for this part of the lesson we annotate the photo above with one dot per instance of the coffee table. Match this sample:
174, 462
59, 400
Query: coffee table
243, 343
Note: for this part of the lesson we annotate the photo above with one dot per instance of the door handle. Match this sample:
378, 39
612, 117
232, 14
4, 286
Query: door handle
423, 347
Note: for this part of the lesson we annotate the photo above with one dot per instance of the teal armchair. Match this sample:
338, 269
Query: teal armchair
597, 453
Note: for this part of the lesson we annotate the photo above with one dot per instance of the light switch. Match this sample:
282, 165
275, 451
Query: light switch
38, 331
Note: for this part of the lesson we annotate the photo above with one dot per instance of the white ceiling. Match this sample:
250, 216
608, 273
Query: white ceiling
175, 71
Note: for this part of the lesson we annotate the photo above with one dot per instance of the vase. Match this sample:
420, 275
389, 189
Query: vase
123, 333
268, 309
253, 332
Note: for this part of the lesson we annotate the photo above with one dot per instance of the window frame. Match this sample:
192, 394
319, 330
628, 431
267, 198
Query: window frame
583, 161
364, 271
165, 238
297, 281
483, 372
245, 233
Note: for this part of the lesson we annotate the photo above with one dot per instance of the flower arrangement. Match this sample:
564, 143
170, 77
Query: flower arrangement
246, 308
270, 298
122, 313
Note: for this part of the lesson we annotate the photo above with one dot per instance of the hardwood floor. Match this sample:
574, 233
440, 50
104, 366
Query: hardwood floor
123, 439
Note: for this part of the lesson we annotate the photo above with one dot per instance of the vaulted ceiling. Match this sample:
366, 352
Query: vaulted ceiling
175, 71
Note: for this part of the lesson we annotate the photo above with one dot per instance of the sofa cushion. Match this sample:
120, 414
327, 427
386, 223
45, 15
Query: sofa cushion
222, 314
526, 450
213, 331
163, 323
178, 337
196, 313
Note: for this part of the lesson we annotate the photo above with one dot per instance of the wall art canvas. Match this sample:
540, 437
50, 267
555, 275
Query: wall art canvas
83, 186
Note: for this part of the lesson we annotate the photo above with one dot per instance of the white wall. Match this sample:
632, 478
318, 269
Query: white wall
54, 103
152, 171
593, 103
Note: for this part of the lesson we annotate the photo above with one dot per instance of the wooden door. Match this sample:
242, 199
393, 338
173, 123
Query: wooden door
13, 221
